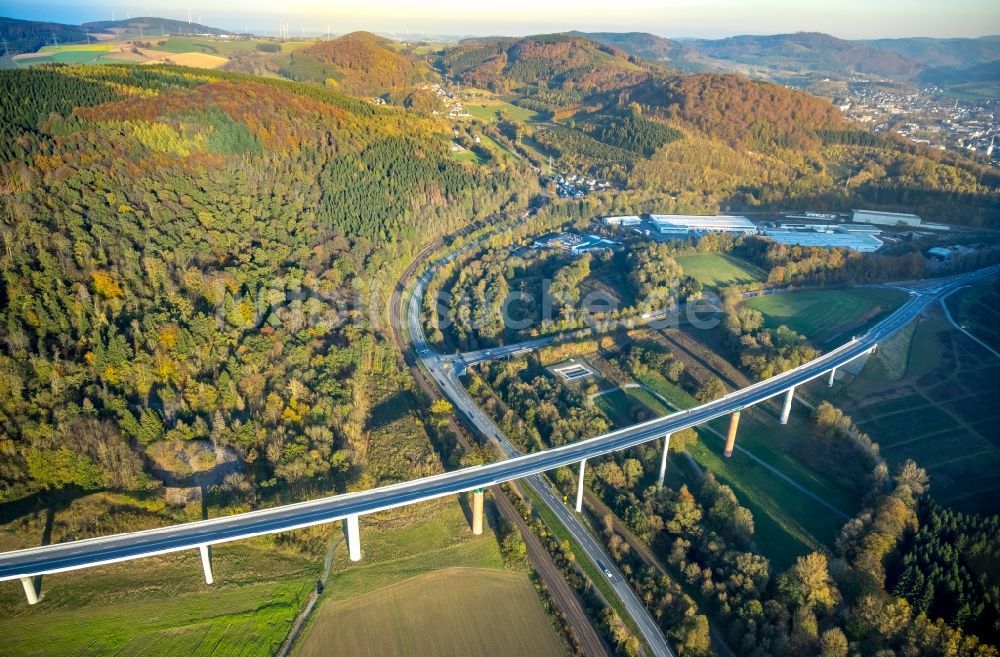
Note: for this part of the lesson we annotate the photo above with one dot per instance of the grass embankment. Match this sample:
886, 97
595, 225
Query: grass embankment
939, 408
823, 316
715, 270
453, 611
162, 606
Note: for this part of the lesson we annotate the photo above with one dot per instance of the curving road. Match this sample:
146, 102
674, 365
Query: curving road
108, 549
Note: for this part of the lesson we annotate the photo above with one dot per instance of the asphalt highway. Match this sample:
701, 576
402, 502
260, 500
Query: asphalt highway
108, 549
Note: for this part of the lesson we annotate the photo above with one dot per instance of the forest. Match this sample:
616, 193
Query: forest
196, 263
359, 63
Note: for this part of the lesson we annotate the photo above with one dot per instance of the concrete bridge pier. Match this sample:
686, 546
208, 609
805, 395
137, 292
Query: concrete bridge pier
579, 487
734, 423
663, 460
353, 537
29, 590
833, 373
206, 562
787, 408
477, 511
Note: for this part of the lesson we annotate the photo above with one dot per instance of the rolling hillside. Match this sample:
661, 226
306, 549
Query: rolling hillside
808, 51
943, 52
150, 25
29, 36
807, 54
359, 63
561, 62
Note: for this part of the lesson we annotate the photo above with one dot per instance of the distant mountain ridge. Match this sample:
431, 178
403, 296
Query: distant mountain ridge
153, 24
815, 53
28, 36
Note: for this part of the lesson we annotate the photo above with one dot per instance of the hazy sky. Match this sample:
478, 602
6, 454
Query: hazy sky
672, 18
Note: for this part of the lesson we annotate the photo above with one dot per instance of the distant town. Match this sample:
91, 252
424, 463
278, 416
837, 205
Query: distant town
924, 116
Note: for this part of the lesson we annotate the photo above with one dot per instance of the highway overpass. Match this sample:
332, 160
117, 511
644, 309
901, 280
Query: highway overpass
87, 553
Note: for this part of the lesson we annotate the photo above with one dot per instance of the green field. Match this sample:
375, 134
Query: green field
80, 47
486, 110
716, 271
823, 315
937, 404
976, 308
83, 53
162, 606
453, 611
221, 47
63, 57
629, 406
467, 156
418, 542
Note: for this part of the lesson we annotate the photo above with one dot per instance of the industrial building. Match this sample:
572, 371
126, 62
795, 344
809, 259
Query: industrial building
682, 224
861, 242
573, 243
949, 252
625, 220
884, 218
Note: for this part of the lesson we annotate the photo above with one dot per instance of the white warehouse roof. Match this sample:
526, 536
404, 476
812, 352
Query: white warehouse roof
884, 218
861, 242
690, 222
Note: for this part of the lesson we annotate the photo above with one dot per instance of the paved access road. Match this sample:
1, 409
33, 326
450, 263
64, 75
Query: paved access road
108, 549
444, 370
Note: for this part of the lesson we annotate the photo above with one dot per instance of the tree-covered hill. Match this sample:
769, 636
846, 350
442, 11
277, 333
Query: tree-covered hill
29, 36
150, 25
198, 261
705, 141
360, 63
555, 61
750, 144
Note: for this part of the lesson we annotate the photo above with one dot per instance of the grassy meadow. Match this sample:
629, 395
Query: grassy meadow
824, 315
452, 611
715, 270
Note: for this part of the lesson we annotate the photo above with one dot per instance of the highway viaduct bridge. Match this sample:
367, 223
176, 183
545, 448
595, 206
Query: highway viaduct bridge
201, 535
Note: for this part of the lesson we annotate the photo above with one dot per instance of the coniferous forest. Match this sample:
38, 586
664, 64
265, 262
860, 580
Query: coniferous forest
192, 256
